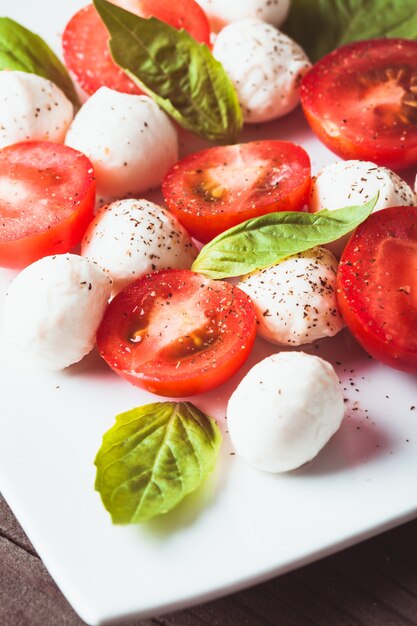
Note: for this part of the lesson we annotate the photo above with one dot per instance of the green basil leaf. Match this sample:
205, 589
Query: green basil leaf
153, 457
22, 50
181, 75
263, 241
320, 26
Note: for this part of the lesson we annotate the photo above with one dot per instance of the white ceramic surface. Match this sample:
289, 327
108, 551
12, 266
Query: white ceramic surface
244, 526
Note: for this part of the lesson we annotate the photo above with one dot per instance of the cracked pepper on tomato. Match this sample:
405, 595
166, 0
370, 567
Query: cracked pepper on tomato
47, 196
177, 333
361, 101
377, 286
215, 189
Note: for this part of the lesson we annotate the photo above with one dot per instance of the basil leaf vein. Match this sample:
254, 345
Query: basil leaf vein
263, 241
179, 73
23, 50
153, 457
319, 27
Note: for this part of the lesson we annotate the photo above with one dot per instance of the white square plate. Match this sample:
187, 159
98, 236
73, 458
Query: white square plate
243, 526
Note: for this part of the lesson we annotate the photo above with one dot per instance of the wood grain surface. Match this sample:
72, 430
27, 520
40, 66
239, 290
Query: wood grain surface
371, 584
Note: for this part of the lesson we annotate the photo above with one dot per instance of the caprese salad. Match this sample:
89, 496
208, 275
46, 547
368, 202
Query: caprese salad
144, 288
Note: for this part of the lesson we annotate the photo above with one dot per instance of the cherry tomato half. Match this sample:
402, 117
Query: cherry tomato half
361, 101
377, 286
47, 196
85, 41
177, 333
215, 189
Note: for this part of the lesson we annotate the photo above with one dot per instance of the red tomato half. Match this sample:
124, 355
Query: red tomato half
215, 189
361, 101
47, 196
85, 41
177, 333
377, 286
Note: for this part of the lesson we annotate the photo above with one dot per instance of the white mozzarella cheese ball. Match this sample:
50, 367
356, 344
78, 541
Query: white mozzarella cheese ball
352, 183
222, 12
53, 309
32, 109
130, 238
129, 140
295, 300
284, 411
265, 67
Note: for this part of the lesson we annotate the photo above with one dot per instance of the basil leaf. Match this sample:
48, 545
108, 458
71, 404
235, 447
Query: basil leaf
22, 50
181, 75
319, 26
153, 457
263, 241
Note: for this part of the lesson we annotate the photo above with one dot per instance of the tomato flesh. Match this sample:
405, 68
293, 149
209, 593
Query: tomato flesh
361, 101
85, 41
215, 189
377, 286
177, 333
47, 197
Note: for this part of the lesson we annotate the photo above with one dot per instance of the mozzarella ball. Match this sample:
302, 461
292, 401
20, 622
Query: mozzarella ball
53, 309
129, 140
295, 300
284, 411
351, 183
221, 12
130, 238
265, 67
32, 109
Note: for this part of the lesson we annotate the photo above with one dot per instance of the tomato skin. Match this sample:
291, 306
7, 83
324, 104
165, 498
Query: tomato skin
167, 360
377, 286
356, 110
277, 175
85, 42
34, 165
185, 14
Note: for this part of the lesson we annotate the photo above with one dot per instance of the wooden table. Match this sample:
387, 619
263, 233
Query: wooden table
373, 584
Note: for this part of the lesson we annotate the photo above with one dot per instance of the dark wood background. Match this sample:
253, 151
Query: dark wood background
373, 584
